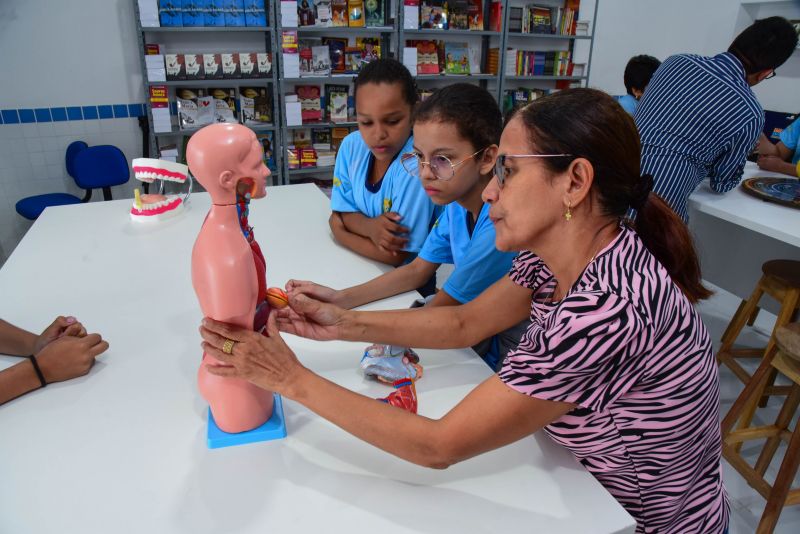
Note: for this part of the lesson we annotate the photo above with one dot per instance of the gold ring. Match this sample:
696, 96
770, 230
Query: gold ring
227, 347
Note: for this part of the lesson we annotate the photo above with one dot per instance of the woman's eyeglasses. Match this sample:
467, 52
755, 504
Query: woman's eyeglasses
501, 171
441, 166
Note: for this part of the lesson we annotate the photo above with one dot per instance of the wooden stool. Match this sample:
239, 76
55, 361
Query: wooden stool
785, 358
781, 281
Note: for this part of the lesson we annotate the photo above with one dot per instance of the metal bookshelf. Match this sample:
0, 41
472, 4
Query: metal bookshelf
388, 36
544, 81
150, 34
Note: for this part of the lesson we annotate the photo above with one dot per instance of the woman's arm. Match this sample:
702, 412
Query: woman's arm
15, 341
362, 245
492, 415
404, 278
500, 307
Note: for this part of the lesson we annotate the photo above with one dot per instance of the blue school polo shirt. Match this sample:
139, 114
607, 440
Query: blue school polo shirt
478, 264
398, 191
789, 137
628, 103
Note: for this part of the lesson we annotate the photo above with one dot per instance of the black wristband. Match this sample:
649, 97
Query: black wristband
38, 370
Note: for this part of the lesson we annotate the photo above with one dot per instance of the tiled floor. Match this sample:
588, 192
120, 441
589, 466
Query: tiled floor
746, 504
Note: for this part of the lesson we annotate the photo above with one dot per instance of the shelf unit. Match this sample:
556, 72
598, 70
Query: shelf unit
388, 37
180, 41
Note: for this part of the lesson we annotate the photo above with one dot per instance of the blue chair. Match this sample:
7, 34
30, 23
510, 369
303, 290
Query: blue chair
94, 167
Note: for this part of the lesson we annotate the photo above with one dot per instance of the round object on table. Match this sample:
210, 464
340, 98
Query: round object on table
785, 191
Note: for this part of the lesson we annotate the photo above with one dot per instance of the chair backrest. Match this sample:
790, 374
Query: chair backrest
100, 166
72, 151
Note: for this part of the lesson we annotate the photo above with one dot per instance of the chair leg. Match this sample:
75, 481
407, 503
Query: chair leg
783, 483
782, 422
107, 193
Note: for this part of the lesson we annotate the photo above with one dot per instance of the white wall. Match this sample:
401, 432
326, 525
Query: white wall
625, 28
62, 53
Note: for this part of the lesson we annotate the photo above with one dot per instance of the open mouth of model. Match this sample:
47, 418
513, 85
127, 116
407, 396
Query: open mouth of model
149, 170
157, 206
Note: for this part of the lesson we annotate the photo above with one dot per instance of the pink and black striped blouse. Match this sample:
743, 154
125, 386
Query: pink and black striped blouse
629, 349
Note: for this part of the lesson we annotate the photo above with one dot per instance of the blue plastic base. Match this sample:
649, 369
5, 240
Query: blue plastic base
274, 428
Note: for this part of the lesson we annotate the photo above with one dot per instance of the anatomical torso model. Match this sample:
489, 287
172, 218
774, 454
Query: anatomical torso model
228, 268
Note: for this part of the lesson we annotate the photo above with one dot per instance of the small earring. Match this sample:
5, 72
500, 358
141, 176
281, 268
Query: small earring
568, 213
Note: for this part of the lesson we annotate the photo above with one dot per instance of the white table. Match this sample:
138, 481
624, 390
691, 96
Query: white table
735, 233
123, 449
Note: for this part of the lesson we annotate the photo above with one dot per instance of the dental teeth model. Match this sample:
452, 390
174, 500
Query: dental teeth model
157, 207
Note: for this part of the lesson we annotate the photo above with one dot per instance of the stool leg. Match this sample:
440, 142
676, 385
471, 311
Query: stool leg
782, 422
783, 482
785, 314
749, 395
753, 316
739, 319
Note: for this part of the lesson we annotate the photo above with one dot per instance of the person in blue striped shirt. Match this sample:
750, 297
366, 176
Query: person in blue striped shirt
698, 117
637, 75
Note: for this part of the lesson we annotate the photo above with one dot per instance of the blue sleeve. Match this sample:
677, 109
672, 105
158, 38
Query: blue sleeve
789, 137
437, 248
726, 172
342, 193
412, 203
628, 103
481, 267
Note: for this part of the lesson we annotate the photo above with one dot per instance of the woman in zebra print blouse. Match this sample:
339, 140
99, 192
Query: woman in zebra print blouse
616, 364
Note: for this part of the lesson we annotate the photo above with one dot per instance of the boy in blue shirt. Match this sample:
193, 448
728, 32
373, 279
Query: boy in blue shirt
783, 156
637, 75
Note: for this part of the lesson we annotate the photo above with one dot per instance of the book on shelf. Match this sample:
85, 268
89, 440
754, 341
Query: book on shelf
493, 61
355, 13
474, 58
339, 15
289, 42
159, 107
306, 55
353, 57
321, 138
212, 66
321, 60
310, 102
336, 47
176, 69
410, 14
247, 65
224, 104
308, 157
170, 13
370, 48
374, 13
336, 96
214, 15
326, 158
323, 12
263, 64
234, 13
306, 15
475, 14
515, 15
337, 136
267, 140
540, 20
194, 108
433, 14
458, 17
255, 13
230, 66
152, 49
301, 137
496, 16
456, 58
193, 63
427, 56
193, 13
292, 158
255, 104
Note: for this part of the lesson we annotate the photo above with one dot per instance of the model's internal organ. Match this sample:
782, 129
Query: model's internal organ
389, 364
152, 207
277, 298
404, 396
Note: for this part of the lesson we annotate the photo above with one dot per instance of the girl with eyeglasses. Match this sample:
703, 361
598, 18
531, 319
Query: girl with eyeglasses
380, 210
456, 132
616, 364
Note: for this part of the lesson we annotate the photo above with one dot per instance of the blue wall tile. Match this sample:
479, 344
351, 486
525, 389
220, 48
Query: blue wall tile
135, 110
26, 116
89, 112
120, 111
105, 112
10, 116
42, 114
59, 114
1, 118
74, 114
